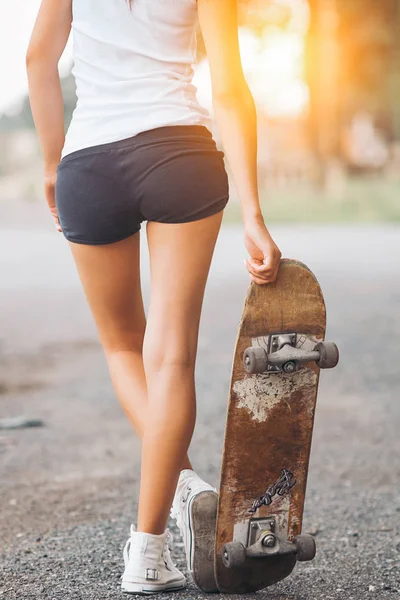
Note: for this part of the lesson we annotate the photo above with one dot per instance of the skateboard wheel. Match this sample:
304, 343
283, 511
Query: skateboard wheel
328, 355
306, 547
233, 555
255, 360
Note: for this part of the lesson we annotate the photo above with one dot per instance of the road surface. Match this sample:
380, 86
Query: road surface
69, 489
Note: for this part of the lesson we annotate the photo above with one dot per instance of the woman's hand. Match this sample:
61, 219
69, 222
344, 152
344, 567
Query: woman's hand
50, 178
265, 255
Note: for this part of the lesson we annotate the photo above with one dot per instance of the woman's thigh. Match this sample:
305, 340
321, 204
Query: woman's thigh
110, 275
180, 258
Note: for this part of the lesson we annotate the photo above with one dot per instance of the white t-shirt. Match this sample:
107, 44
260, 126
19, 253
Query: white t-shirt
133, 69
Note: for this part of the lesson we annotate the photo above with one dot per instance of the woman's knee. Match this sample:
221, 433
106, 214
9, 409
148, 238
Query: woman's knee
159, 355
117, 341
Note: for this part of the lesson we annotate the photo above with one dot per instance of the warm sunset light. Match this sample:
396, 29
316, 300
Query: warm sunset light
173, 280
273, 65
275, 72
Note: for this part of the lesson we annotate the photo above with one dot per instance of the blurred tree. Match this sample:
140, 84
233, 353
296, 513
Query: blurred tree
368, 35
322, 72
395, 72
353, 65
22, 118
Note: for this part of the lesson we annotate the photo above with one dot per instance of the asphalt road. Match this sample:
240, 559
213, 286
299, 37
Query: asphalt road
69, 489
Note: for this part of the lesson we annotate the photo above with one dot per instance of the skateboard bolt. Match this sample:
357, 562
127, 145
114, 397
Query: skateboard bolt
269, 541
289, 367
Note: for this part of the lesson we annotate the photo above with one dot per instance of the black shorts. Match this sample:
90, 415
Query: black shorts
171, 174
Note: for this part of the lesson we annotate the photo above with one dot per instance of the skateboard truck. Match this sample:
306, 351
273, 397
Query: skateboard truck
282, 355
263, 542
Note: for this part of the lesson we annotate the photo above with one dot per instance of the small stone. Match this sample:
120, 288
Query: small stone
371, 588
20, 423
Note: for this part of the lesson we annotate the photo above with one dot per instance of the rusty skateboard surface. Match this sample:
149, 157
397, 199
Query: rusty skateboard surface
279, 351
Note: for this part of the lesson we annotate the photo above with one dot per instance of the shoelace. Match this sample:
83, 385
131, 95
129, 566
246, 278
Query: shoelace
175, 513
167, 554
184, 498
126, 551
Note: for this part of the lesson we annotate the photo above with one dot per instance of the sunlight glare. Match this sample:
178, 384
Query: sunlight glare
273, 66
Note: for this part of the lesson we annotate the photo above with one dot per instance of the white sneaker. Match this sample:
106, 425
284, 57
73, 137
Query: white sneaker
195, 510
148, 565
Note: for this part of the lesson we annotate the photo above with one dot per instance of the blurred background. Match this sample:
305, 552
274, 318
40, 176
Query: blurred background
326, 78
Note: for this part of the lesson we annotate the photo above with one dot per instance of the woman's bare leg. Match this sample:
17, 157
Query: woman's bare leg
110, 275
180, 257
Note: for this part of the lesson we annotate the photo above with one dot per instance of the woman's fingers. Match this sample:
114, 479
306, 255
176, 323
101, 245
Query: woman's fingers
264, 261
49, 190
57, 224
261, 268
259, 281
54, 214
261, 273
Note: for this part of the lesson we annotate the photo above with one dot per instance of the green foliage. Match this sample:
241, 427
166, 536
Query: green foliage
368, 199
23, 117
21, 120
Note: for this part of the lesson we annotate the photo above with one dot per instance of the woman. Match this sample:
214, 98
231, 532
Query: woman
139, 148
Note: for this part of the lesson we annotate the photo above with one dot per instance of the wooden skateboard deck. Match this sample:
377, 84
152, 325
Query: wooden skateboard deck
268, 432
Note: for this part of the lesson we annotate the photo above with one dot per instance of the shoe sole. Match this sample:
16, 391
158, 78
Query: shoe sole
202, 522
147, 590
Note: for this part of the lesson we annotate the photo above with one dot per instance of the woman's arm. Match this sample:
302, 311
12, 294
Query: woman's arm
237, 121
48, 40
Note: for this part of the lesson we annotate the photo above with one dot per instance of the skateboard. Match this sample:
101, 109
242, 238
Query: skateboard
279, 352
